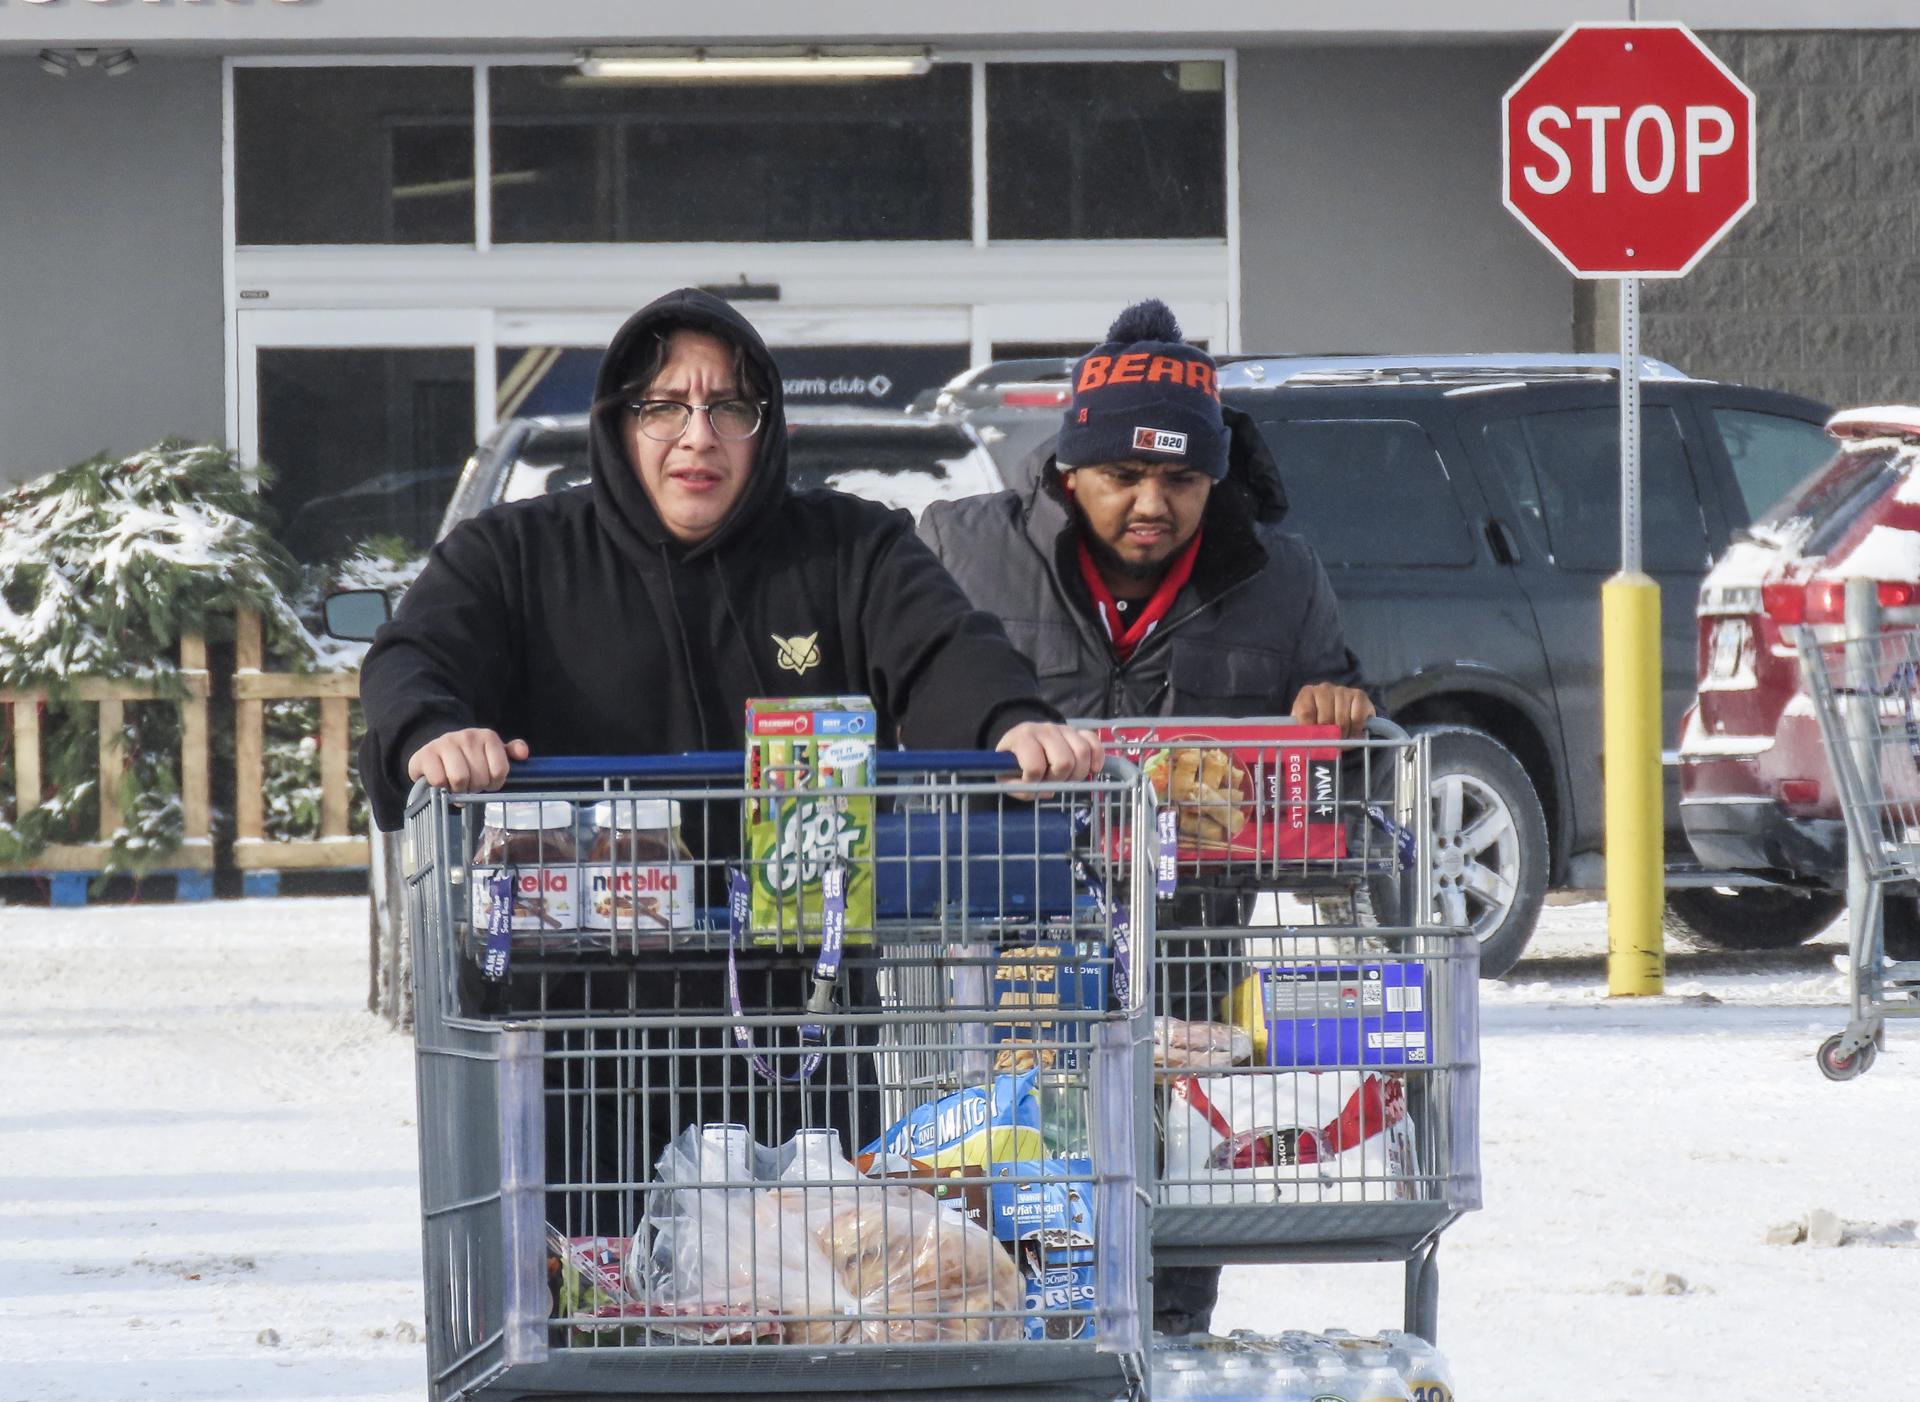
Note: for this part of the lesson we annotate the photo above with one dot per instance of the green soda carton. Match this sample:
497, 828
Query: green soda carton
808, 747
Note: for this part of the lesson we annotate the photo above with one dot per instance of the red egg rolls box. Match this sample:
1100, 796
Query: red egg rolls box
1245, 791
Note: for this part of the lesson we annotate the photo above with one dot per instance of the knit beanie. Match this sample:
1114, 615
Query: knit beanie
1144, 395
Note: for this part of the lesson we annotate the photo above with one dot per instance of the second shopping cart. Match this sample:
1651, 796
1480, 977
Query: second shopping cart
1315, 1072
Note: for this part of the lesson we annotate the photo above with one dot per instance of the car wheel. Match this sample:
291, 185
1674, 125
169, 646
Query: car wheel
1752, 917
1489, 844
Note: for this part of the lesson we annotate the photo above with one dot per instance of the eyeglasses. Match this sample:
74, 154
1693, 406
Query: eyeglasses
667, 419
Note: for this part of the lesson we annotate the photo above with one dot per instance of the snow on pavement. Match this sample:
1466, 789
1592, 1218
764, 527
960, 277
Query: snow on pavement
206, 1158
207, 1171
1633, 1148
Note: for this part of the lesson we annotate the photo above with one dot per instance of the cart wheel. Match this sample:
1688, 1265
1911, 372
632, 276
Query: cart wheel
1836, 1067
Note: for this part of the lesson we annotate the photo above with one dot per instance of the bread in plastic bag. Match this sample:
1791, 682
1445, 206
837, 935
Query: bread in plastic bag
905, 1257
722, 1250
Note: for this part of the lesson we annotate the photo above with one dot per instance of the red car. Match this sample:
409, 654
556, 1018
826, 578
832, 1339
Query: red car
1757, 799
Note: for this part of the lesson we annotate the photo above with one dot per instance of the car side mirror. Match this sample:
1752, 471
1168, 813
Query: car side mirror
355, 615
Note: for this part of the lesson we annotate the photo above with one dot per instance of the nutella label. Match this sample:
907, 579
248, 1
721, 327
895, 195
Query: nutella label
639, 899
545, 898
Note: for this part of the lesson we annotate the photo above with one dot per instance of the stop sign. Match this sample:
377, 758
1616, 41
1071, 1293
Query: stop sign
1628, 149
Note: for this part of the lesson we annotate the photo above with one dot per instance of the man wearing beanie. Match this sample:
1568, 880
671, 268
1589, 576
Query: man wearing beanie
1146, 575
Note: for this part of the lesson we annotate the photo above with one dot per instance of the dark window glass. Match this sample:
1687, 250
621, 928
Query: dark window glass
1040, 350
1106, 151
1827, 503
1770, 453
578, 160
363, 443
551, 460
1562, 471
1369, 492
353, 155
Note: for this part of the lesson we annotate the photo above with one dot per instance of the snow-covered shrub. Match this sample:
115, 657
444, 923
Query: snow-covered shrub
291, 748
103, 566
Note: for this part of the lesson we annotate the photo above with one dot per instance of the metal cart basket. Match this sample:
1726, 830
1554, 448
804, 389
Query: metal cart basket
1863, 685
1316, 1082
683, 1134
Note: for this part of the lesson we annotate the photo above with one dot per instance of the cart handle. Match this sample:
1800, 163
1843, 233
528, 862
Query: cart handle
725, 764
1377, 727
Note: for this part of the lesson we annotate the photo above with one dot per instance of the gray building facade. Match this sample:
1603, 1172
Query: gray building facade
1817, 290
1359, 184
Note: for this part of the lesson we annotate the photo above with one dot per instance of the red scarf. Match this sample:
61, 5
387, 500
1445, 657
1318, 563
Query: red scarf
1125, 637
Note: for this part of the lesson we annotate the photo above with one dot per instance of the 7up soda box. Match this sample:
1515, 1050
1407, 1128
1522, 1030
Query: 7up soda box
801, 753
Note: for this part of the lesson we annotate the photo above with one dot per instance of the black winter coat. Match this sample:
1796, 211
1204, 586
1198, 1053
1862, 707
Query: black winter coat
577, 623
1256, 622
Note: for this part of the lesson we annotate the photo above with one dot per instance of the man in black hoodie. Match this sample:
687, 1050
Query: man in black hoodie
637, 616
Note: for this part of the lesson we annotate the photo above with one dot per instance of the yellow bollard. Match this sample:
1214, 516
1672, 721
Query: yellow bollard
1636, 896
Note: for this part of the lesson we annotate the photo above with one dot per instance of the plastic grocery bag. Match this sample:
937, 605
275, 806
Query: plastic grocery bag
1372, 1153
720, 1251
1277, 1137
1241, 1139
912, 1262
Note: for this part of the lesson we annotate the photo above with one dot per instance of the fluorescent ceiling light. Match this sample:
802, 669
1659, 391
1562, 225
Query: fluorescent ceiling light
720, 65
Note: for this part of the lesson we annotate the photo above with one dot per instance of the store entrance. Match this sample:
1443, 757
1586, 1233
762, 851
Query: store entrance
880, 359
363, 420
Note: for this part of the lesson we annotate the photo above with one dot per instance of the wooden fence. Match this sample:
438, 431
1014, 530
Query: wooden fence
70, 864
261, 858
253, 688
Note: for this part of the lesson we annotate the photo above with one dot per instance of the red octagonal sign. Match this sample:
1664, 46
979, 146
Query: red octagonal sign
1628, 149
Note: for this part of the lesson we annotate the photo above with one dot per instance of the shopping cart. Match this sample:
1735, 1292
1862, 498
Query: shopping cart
1316, 1081
1863, 686
639, 1097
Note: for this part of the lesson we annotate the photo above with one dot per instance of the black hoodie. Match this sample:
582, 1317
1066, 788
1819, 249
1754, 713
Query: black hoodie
577, 623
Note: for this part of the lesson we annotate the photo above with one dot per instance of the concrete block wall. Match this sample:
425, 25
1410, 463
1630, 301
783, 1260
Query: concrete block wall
1817, 290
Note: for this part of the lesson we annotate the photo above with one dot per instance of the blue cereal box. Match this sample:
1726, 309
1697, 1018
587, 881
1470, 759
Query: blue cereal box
1321, 1015
1032, 981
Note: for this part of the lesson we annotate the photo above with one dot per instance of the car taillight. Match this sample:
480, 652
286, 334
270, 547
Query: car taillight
1784, 603
1825, 600
1034, 398
1803, 793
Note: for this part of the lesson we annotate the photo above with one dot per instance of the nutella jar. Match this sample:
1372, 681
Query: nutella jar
638, 874
534, 844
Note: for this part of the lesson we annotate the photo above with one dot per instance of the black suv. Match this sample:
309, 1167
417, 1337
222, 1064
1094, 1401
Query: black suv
1467, 509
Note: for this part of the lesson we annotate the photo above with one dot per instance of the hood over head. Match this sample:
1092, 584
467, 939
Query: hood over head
624, 508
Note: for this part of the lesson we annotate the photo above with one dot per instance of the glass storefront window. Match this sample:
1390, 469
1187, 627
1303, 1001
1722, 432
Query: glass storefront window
578, 160
353, 155
1106, 150
362, 443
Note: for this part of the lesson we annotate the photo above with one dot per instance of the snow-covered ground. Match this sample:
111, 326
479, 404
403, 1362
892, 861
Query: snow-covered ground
207, 1176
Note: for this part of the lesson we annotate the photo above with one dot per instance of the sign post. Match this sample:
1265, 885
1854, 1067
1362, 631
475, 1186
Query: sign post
1628, 150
